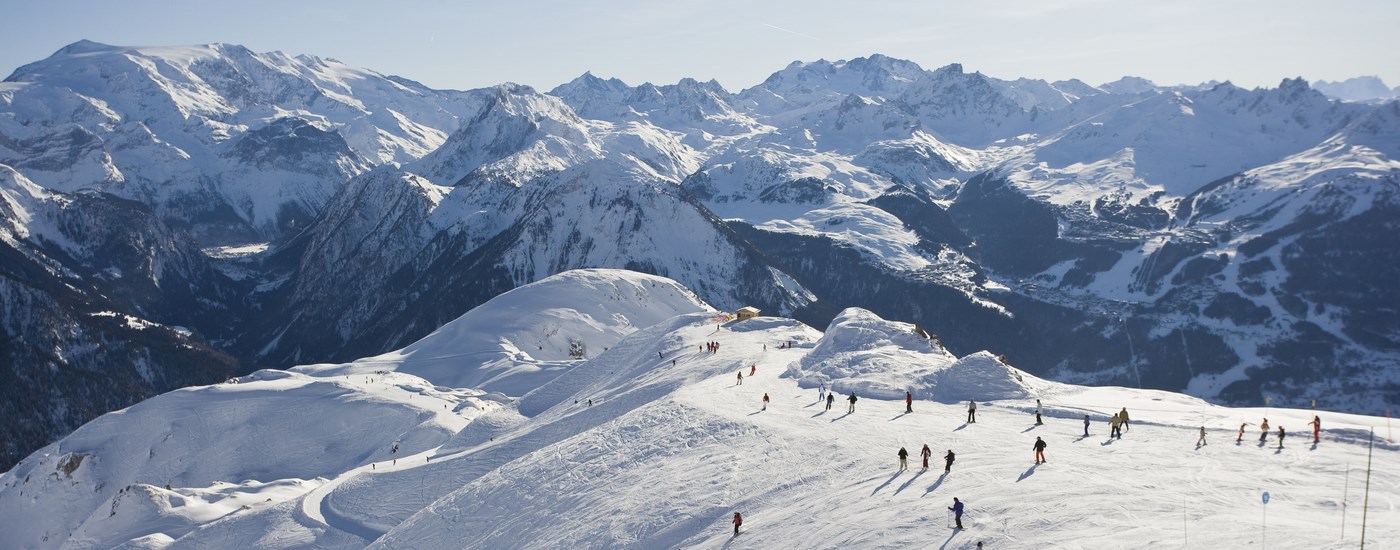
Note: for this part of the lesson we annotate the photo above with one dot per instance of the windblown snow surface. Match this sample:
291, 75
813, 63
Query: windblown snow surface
630, 449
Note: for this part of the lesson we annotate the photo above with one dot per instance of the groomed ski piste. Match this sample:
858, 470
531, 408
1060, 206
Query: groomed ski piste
650, 442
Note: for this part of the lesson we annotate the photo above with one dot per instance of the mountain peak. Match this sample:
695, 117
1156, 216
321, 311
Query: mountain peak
84, 46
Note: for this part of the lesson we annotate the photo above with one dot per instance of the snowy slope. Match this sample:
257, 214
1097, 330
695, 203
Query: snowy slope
526, 337
663, 454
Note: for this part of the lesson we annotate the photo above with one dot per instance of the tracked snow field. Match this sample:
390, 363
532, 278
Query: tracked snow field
654, 443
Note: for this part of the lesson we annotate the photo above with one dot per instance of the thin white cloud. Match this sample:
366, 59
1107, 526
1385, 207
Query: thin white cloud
789, 31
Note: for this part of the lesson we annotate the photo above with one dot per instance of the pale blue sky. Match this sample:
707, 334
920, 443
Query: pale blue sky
467, 44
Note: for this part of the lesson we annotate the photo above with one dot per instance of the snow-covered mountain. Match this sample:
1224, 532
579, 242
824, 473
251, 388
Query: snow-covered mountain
1235, 244
233, 144
647, 441
1361, 88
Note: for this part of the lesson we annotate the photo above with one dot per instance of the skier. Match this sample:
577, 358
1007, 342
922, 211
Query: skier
957, 509
741, 378
927, 452
1202, 440
1280, 437
1263, 432
852, 399
821, 392
903, 459
1317, 428
908, 402
738, 520
1123, 417
830, 397
948, 461
1114, 427
1240, 437
765, 402
753, 369
1037, 413
971, 412
1039, 450
1086, 425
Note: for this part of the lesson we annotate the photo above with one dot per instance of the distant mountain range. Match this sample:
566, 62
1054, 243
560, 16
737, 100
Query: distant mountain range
1361, 88
180, 215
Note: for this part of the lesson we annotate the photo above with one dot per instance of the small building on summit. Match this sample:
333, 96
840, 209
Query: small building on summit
747, 312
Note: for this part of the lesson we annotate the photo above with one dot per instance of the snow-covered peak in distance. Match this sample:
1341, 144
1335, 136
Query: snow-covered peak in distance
233, 85
1130, 85
703, 112
1359, 88
520, 339
517, 135
234, 144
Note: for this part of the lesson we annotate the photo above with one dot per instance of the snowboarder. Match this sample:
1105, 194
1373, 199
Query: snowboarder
1115, 427
1317, 428
741, 378
1037, 413
1039, 448
971, 412
852, 399
738, 520
957, 509
1123, 417
1280, 437
1202, 440
830, 398
753, 369
1263, 432
903, 459
948, 461
908, 402
1240, 437
1086, 425
926, 453
765, 402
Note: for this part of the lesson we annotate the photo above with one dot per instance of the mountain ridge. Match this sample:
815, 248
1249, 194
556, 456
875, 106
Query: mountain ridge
1175, 237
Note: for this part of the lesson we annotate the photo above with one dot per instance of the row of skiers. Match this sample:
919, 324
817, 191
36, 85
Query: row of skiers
926, 453
1264, 432
1118, 422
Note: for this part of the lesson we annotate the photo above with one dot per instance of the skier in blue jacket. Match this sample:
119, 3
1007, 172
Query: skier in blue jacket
957, 509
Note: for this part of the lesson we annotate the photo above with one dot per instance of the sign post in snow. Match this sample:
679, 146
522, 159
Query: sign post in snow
1264, 522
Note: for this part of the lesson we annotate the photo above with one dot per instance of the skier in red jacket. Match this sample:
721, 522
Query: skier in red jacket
738, 520
908, 402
